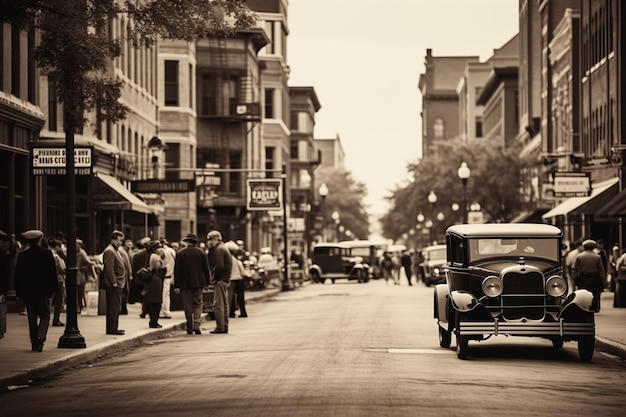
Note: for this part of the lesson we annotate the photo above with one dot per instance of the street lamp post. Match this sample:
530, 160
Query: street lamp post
335, 216
464, 173
323, 191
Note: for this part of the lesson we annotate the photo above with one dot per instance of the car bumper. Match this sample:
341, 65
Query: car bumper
538, 329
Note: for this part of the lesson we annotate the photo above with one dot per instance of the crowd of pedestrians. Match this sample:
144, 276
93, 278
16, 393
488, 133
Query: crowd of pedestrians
126, 273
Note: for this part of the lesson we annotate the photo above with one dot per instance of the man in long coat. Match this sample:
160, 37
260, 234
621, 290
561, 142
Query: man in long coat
35, 283
191, 272
114, 276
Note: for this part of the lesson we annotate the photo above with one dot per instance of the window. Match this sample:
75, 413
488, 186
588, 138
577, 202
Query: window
479, 127
172, 160
219, 96
269, 160
171, 83
269, 103
294, 149
438, 128
52, 105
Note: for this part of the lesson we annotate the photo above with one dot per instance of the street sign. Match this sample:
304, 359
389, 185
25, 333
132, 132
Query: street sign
572, 184
162, 186
264, 194
50, 160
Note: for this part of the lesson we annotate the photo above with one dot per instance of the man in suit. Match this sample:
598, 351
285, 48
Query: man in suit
220, 264
191, 270
35, 283
114, 279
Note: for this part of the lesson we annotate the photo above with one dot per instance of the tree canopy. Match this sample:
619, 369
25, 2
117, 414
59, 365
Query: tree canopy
346, 196
76, 44
494, 184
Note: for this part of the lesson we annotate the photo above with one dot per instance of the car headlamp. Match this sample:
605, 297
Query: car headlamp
556, 286
492, 286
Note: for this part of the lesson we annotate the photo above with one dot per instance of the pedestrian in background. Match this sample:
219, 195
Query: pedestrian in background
406, 264
387, 266
114, 279
576, 249
237, 288
85, 268
619, 298
191, 270
220, 264
153, 297
57, 301
140, 259
169, 260
124, 251
35, 283
7, 253
588, 270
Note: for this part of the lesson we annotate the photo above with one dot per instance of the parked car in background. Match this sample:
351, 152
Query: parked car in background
371, 251
335, 261
434, 264
507, 279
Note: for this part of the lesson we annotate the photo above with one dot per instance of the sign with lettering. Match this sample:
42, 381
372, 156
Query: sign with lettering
51, 160
162, 186
264, 194
572, 184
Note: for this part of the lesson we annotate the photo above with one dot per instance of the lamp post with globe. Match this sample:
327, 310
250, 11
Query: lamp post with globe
464, 173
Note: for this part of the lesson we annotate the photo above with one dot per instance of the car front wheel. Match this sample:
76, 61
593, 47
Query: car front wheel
586, 346
462, 346
445, 337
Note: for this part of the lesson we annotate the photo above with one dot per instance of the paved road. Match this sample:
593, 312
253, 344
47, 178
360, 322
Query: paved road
343, 349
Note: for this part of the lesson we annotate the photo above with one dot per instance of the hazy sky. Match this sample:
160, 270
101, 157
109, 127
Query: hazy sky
364, 58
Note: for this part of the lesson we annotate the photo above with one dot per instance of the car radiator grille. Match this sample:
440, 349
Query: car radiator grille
523, 296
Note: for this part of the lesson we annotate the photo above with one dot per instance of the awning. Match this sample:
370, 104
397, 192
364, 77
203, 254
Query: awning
600, 194
533, 216
110, 194
616, 207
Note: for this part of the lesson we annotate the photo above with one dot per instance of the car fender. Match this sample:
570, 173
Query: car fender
442, 293
463, 301
316, 268
582, 299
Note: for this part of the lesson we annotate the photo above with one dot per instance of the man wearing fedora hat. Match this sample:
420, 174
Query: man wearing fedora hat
191, 272
35, 283
589, 270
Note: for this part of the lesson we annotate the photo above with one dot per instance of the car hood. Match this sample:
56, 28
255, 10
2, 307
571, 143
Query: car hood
496, 266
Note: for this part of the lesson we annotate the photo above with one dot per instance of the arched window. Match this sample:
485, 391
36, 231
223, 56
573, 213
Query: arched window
438, 128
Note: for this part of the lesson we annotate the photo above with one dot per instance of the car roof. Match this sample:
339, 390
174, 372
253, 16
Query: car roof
433, 247
332, 245
362, 243
505, 229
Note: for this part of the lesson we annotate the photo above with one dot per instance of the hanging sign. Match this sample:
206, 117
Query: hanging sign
264, 194
51, 160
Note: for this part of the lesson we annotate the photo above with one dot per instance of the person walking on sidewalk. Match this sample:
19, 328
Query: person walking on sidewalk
589, 270
191, 270
154, 286
619, 298
57, 301
236, 291
114, 279
169, 260
407, 262
220, 264
35, 283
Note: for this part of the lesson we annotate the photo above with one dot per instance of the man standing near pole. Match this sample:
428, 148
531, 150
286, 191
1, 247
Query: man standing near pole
220, 263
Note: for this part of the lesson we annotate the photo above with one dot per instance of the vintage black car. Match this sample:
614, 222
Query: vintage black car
434, 264
335, 260
507, 279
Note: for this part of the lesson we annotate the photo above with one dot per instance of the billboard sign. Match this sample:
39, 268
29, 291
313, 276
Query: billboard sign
51, 160
264, 194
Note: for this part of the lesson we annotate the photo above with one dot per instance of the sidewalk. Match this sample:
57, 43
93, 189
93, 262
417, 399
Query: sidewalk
19, 364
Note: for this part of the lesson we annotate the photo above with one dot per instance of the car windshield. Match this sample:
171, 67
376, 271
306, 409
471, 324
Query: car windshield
437, 254
535, 247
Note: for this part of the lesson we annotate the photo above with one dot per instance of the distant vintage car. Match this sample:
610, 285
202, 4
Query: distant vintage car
371, 251
507, 279
434, 264
334, 261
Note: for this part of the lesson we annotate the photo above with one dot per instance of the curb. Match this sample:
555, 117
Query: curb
103, 350
611, 347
